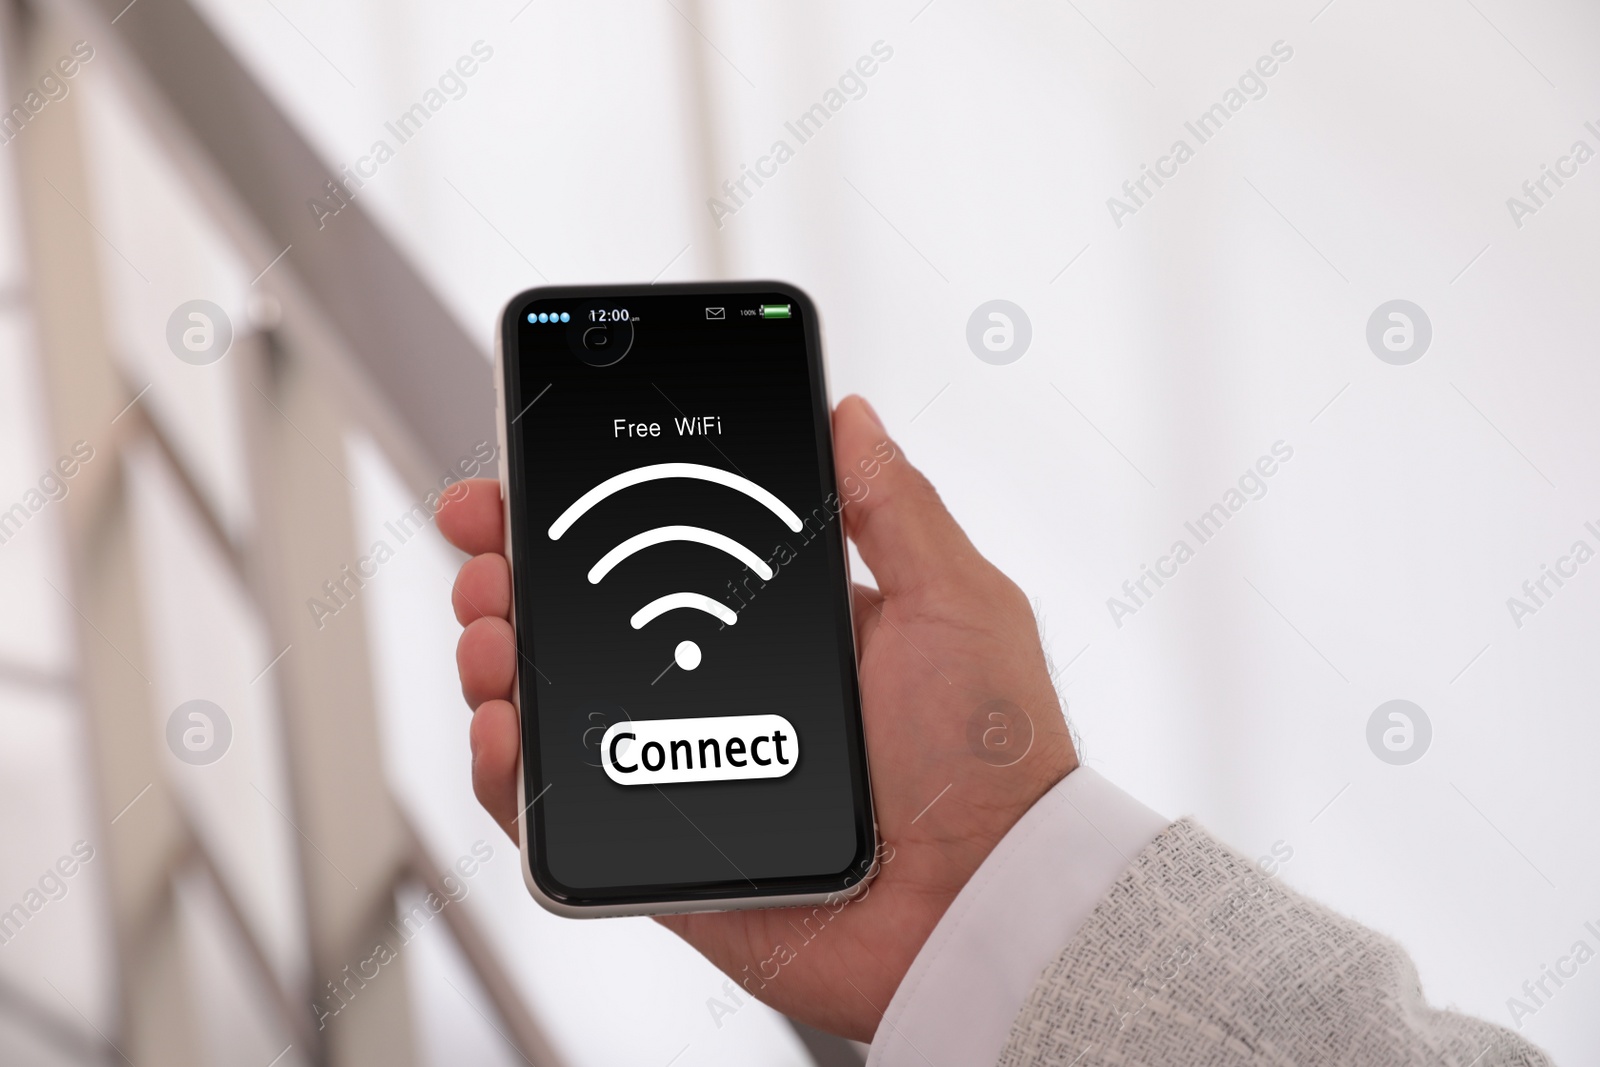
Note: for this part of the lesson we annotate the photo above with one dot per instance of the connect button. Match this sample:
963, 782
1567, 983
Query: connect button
715, 749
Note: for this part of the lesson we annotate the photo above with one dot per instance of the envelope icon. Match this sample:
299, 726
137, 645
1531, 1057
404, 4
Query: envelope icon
716, 313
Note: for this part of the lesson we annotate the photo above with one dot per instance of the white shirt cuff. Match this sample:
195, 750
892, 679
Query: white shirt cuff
956, 1004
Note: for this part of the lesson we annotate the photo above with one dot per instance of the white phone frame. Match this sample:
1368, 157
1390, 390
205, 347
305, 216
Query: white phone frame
597, 911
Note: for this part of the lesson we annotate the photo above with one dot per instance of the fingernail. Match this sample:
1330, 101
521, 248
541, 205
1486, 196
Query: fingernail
871, 412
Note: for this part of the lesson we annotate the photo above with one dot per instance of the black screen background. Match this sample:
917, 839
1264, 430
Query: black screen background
790, 652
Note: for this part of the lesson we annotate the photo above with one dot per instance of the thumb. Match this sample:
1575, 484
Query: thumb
893, 514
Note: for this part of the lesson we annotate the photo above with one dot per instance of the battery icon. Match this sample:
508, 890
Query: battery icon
775, 311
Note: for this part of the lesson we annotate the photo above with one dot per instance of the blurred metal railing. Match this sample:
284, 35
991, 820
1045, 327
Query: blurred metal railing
302, 384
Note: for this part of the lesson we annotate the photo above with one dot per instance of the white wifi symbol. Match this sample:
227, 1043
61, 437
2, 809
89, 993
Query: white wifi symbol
687, 654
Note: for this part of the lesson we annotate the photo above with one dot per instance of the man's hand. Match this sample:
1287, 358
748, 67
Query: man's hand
946, 634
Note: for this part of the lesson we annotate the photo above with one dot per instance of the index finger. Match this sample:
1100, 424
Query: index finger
472, 520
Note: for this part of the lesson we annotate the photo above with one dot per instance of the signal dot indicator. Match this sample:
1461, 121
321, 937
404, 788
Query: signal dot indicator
565, 317
687, 655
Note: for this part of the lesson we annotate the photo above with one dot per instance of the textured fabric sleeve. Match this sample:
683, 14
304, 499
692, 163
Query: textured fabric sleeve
1040, 884
1198, 959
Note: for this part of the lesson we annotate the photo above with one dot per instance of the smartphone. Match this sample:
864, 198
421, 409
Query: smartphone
686, 665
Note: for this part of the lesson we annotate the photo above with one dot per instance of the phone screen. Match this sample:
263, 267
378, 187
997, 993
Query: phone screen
690, 714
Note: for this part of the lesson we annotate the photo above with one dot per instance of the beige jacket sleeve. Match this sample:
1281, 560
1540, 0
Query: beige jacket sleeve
1198, 959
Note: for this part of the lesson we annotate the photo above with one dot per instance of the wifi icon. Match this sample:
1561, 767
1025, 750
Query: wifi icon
687, 654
